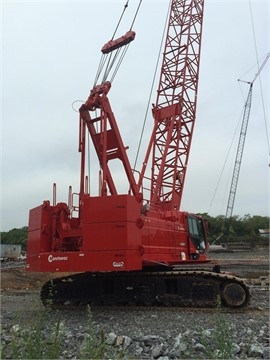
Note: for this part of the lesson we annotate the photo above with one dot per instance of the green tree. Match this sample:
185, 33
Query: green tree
15, 237
240, 229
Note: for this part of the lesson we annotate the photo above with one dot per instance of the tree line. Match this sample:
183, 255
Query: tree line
244, 228
240, 229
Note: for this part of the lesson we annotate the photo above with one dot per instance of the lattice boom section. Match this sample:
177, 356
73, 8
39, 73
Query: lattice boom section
178, 86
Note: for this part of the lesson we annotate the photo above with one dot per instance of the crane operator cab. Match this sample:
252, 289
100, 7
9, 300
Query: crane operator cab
197, 228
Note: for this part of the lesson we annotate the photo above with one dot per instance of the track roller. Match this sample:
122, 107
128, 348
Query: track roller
234, 295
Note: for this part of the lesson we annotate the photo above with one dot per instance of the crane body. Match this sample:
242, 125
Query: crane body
136, 247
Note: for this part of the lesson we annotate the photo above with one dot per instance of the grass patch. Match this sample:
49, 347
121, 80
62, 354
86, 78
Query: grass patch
47, 337
220, 344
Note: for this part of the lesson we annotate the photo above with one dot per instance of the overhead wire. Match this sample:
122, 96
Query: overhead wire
119, 21
119, 62
151, 90
135, 16
108, 61
226, 160
261, 91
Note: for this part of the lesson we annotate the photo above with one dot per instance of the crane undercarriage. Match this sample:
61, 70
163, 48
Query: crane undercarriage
185, 288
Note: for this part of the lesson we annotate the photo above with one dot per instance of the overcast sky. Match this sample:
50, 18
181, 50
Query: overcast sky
50, 55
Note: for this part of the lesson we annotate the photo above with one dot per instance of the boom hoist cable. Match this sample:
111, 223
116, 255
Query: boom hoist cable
114, 51
152, 87
107, 59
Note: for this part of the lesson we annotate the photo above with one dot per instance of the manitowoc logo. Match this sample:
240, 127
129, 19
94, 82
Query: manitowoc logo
52, 258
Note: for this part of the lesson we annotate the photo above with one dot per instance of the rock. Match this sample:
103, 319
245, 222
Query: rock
138, 350
127, 342
179, 347
128, 334
256, 350
15, 329
148, 340
199, 347
235, 349
110, 339
119, 340
177, 340
157, 351
266, 353
206, 333
187, 332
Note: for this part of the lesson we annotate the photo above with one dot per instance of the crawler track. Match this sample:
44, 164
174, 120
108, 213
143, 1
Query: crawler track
189, 288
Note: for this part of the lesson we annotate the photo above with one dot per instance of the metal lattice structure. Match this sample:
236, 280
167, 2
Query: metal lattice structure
240, 149
175, 108
239, 155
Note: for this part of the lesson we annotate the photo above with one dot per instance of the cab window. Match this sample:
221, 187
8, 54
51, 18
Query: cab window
197, 233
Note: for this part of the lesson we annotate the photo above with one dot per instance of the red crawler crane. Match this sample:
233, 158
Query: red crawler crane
122, 245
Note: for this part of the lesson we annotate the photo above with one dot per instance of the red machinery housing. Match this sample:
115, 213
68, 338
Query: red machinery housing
121, 244
124, 232
111, 235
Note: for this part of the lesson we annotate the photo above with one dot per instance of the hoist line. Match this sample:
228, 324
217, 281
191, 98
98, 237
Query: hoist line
264, 114
100, 67
151, 89
253, 32
117, 26
226, 159
256, 51
104, 57
249, 70
265, 119
119, 62
138, 7
110, 63
111, 60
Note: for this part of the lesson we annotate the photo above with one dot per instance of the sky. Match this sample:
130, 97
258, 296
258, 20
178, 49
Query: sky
50, 56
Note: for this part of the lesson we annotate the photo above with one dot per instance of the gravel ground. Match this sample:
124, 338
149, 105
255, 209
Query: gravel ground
134, 334
144, 334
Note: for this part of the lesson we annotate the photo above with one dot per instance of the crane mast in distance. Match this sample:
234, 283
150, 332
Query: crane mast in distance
240, 149
175, 107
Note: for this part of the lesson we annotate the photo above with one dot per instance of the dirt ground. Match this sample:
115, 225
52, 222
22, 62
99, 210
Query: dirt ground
20, 279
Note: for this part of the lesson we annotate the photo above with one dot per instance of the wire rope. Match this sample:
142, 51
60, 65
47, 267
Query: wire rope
135, 16
100, 67
117, 26
226, 160
263, 105
151, 90
119, 63
109, 60
110, 63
